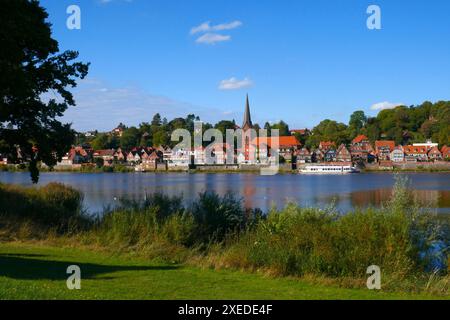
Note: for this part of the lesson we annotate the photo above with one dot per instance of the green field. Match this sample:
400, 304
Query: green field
30, 271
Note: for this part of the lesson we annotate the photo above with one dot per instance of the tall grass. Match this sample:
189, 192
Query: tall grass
298, 241
403, 240
54, 206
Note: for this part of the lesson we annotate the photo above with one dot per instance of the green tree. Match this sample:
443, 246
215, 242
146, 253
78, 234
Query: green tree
282, 126
30, 67
177, 123
130, 138
223, 125
328, 130
160, 138
100, 142
357, 122
156, 121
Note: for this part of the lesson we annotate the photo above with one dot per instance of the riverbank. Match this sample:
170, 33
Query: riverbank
38, 271
218, 233
285, 169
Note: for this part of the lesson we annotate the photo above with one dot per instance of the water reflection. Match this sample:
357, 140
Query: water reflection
345, 192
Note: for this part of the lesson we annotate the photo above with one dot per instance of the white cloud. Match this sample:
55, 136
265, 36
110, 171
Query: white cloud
207, 27
100, 106
227, 26
211, 35
204, 27
385, 105
109, 1
212, 38
234, 84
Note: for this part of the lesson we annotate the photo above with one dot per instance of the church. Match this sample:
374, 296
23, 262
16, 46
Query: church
285, 146
247, 125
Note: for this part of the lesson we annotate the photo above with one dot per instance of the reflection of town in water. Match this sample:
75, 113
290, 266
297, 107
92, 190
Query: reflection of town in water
342, 191
425, 198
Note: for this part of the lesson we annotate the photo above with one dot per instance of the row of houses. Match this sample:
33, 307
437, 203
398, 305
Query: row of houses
142, 155
215, 154
361, 150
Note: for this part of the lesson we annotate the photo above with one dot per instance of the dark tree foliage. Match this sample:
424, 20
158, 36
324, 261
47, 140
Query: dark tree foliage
30, 67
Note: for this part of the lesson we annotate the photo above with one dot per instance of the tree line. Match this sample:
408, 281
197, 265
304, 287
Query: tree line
158, 132
402, 124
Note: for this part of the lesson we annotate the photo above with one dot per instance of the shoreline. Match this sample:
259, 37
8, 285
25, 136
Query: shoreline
225, 171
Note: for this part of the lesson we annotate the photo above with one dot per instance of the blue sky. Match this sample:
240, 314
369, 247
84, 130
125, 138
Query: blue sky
301, 61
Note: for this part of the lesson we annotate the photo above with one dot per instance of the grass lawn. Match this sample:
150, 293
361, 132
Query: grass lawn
31, 271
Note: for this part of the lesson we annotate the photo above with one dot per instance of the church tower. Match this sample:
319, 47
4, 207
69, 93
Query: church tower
246, 126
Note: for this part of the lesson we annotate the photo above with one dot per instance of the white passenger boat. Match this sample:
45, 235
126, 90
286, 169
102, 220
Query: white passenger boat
334, 169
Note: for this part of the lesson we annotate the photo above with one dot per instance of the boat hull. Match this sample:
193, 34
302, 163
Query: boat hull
328, 170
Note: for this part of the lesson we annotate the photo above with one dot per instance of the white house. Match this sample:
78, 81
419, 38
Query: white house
397, 155
178, 158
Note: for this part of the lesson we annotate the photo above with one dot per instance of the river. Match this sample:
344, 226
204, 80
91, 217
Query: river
345, 191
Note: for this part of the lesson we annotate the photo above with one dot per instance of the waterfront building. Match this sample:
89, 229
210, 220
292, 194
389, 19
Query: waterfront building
383, 149
303, 156
445, 152
107, 155
415, 153
434, 154
287, 146
330, 155
120, 155
397, 155
359, 154
342, 154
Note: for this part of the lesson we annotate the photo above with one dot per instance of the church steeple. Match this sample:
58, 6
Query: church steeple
247, 124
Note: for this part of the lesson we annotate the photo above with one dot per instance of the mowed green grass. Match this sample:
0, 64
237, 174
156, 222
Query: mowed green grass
30, 271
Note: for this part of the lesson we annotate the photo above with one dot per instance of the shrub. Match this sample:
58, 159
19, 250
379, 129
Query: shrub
52, 206
399, 238
216, 216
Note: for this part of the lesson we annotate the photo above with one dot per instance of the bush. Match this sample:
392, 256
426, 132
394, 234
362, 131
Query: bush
402, 240
107, 169
52, 206
297, 241
217, 216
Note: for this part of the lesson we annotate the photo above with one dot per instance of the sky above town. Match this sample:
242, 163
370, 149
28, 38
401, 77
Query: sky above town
300, 61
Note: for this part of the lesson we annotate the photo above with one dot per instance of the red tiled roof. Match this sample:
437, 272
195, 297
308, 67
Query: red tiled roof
415, 149
385, 143
360, 138
283, 141
434, 150
102, 153
342, 148
326, 144
153, 156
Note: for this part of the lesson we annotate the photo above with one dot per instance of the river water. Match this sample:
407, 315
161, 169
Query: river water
345, 191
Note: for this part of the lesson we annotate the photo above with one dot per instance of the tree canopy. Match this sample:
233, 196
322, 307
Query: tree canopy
31, 68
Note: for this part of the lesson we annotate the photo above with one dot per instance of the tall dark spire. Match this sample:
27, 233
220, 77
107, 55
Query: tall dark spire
247, 124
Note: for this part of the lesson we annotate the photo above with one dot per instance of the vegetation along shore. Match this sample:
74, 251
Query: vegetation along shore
315, 247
